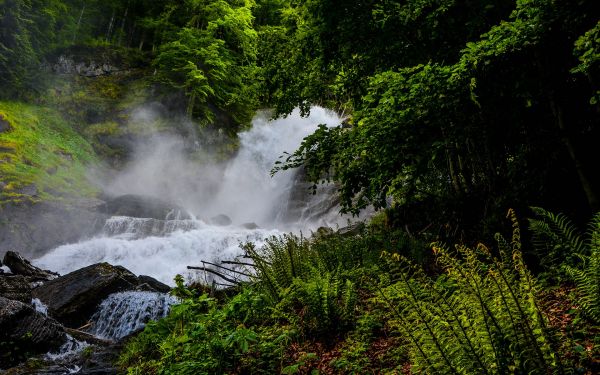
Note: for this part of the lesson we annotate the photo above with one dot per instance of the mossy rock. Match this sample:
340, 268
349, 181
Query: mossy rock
41, 157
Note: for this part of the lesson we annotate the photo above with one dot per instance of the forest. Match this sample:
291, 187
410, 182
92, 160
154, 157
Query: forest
469, 128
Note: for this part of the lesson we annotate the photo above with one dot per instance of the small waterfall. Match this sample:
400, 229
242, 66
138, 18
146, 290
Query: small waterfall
132, 228
123, 313
71, 348
39, 306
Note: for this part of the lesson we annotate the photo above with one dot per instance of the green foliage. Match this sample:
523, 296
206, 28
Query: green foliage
556, 241
201, 337
480, 316
563, 250
587, 49
211, 56
429, 93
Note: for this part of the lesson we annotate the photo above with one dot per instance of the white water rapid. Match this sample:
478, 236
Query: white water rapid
126, 312
242, 189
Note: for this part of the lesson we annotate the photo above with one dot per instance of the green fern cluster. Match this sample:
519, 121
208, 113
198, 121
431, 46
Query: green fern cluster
587, 277
556, 238
480, 316
308, 281
556, 241
327, 302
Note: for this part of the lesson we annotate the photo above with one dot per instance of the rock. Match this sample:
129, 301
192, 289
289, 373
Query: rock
102, 361
4, 125
29, 190
21, 266
323, 232
144, 207
24, 332
16, 287
352, 229
155, 285
87, 337
221, 220
35, 228
250, 226
73, 298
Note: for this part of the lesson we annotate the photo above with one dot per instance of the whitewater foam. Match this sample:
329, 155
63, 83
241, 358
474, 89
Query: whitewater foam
243, 190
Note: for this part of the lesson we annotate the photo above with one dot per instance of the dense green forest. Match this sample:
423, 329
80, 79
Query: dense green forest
458, 111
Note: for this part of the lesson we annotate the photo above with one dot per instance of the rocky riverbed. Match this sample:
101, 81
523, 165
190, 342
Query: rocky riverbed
73, 323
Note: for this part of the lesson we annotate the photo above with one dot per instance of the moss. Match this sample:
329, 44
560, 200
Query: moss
41, 157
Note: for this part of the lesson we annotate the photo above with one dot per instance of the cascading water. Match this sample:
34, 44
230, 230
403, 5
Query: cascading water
257, 205
123, 313
243, 190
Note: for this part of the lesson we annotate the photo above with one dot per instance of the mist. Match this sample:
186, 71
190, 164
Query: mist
187, 171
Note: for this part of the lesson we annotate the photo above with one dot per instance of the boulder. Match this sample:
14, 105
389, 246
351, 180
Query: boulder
25, 332
15, 287
33, 228
143, 207
153, 284
352, 230
220, 220
73, 298
21, 266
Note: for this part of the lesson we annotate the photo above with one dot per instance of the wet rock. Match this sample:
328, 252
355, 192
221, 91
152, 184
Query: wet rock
15, 287
35, 228
250, 226
25, 332
21, 266
144, 207
73, 298
155, 285
101, 361
221, 220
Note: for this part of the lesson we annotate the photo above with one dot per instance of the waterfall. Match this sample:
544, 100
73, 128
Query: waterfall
134, 228
123, 313
242, 189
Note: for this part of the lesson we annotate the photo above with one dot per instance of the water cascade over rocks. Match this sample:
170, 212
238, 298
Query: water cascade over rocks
123, 313
243, 191
217, 208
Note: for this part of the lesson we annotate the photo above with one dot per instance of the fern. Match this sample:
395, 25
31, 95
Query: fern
587, 278
480, 317
568, 251
328, 304
556, 241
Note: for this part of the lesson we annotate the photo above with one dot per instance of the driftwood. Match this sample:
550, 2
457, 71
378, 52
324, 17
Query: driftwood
227, 269
238, 263
216, 273
84, 336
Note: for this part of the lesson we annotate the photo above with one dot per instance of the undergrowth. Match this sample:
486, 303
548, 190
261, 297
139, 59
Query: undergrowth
366, 303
